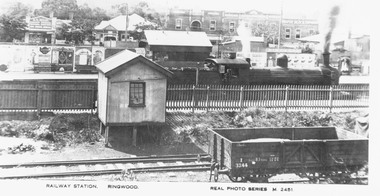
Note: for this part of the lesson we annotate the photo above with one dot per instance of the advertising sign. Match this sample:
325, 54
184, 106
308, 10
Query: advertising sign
97, 55
302, 60
83, 56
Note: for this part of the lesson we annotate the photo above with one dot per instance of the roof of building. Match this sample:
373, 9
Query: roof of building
230, 62
177, 38
119, 22
113, 62
320, 38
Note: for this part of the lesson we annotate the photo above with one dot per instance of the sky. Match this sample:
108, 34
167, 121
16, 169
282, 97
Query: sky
355, 14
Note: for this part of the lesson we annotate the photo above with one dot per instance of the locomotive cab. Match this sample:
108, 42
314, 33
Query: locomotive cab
231, 71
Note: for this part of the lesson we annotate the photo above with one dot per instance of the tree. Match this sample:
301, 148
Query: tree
19, 10
11, 28
142, 9
84, 21
61, 8
118, 9
268, 30
139, 34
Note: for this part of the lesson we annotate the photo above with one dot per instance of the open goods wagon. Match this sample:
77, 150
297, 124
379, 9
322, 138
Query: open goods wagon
258, 154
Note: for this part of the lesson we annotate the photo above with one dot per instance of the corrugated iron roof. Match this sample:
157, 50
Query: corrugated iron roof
123, 57
177, 38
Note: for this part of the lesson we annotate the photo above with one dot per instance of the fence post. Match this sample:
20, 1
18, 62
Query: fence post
196, 75
93, 101
193, 99
207, 98
39, 98
286, 98
331, 98
241, 98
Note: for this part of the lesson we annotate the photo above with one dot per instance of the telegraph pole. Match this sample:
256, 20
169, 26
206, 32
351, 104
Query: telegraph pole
126, 23
280, 27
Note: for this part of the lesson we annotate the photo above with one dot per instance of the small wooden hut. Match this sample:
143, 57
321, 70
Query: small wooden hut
131, 92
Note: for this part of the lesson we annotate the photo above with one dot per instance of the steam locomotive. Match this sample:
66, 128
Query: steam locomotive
238, 71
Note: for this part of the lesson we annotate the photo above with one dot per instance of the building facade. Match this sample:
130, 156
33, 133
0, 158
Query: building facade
221, 24
42, 30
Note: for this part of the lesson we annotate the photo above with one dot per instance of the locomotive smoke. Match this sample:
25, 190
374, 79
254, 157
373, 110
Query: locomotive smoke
244, 35
333, 16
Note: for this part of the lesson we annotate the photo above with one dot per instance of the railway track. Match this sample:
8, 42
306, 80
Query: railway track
187, 162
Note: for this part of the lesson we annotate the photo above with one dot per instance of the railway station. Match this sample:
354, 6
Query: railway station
185, 95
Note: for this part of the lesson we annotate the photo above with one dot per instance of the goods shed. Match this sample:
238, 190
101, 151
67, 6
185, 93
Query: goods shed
178, 45
131, 92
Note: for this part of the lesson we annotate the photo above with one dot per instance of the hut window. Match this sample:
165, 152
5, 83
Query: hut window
137, 94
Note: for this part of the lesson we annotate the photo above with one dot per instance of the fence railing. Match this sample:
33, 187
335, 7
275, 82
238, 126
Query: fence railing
280, 97
45, 96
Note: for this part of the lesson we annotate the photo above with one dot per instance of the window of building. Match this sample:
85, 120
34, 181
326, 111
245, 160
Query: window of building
311, 32
137, 94
178, 24
298, 33
212, 25
287, 33
232, 27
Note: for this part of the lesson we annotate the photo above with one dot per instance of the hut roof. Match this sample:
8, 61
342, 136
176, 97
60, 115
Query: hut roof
109, 65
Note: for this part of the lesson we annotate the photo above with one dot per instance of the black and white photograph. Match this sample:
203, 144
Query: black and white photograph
131, 97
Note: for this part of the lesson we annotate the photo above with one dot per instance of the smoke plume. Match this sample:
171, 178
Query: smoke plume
333, 17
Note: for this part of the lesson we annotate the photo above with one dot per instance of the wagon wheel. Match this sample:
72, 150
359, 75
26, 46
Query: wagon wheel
214, 170
216, 174
237, 178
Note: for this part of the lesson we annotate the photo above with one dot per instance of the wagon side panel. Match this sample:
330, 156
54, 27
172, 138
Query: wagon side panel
255, 158
346, 153
303, 154
220, 150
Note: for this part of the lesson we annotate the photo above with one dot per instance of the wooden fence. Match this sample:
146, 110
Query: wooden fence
45, 96
279, 97
81, 95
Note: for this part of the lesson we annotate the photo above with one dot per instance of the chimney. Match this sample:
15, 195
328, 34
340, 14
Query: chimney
326, 59
51, 14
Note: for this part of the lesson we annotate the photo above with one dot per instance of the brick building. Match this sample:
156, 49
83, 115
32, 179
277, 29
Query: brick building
221, 24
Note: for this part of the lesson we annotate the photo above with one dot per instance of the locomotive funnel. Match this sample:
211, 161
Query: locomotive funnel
326, 59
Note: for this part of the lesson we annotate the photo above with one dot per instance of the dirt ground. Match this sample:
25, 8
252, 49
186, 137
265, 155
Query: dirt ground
77, 136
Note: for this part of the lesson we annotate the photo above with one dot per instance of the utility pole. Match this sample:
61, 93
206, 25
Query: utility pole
280, 26
126, 23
